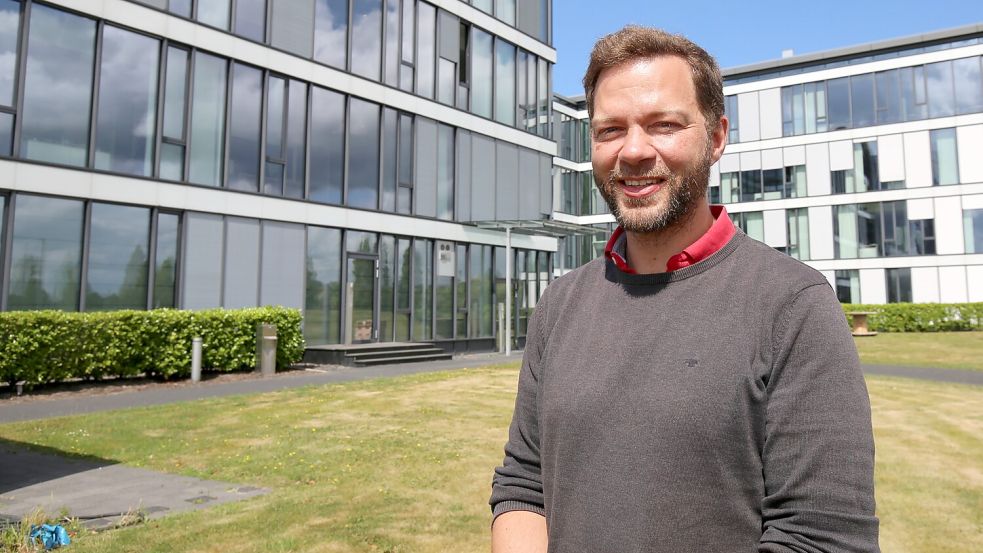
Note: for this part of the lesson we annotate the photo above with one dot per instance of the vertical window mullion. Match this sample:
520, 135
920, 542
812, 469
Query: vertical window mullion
84, 265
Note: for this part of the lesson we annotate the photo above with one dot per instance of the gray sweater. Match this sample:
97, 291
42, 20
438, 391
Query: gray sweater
717, 408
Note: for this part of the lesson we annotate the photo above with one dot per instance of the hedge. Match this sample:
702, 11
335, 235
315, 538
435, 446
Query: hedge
51, 346
921, 317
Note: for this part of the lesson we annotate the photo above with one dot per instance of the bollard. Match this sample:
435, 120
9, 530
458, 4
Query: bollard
266, 349
196, 359
500, 334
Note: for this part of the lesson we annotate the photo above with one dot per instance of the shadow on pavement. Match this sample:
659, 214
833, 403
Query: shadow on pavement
23, 465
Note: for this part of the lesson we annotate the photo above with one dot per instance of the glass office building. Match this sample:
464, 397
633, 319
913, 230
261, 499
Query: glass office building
863, 162
329, 155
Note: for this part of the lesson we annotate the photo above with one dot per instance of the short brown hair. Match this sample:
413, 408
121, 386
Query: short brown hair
635, 42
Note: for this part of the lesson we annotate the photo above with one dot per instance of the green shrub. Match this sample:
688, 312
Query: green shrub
51, 346
921, 317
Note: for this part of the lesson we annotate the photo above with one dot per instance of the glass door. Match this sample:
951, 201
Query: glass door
362, 323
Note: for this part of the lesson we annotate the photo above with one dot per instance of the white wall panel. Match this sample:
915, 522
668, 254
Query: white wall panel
973, 201
890, 158
821, 232
925, 284
921, 208
974, 279
830, 277
969, 143
750, 160
241, 263
952, 285
776, 234
747, 114
715, 174
873, 287
949, 226
729, 163
817, 169
772, 159
918, 160
841, 155
770, 103
794, 155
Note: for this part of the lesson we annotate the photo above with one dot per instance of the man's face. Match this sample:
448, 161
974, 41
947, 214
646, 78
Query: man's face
651, 149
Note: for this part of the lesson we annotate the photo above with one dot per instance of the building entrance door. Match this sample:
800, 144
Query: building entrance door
361, 306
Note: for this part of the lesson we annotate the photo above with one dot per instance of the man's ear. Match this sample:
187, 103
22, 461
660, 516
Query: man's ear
718, 138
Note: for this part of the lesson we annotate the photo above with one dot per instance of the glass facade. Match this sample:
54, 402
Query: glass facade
119, 238
46, 254
973, 230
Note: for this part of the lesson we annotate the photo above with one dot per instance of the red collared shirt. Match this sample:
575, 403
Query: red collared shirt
719, 233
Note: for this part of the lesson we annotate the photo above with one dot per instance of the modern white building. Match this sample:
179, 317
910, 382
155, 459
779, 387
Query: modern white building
864, 162
330, 155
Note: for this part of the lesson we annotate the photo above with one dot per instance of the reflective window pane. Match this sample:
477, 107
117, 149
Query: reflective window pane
6, 133
171, 161
481, 61
165, 263
409, 35
972, 226
58, 87
207, 120
461, 291
46, 254
969, 85
322, 312
363, 154
391, 43
331, 32
9, 27
387, 287
422, 290
214, 13
127, 112
273, 179
945, 168
446, 81
275, 102
888, 97
251, 19
244, 127
426, 49
941, 95
545, 106
327, 146
838, 97
296, 155
505, 10
180, 7
445, 172
444, 293
367, 38
175, 81
390, 138
913, 93
862, 100
504, 82
483, 5
117, 266
404, 263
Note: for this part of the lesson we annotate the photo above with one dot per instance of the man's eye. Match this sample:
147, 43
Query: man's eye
606, 131
666, 126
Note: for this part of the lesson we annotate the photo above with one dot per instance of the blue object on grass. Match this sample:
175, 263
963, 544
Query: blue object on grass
51, 536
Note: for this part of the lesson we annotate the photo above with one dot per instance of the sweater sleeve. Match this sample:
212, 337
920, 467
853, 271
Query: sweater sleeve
517, 484
818, 455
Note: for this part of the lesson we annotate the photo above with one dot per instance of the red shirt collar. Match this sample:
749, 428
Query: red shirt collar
719, 233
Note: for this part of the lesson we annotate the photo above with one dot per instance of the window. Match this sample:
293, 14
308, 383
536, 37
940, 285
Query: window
322, 313
46, 254
173, 137
730, 187
363, 154
422, 290
798, 232
275, 106
913, 93
404, 172
752, 223
767, 184
865, 174
505, 10
408, 49
973, 227
404, 273
445, 172
969, 85
504, 82
390, 144
426, 49
367, 38
898, 285
941, 94
545, 127
945, 167
888, 97
117, 263
127, 111
862, 100
331, 32
327, 163
207, 120
244, 128
481, 89
391, 44
461, 291
296, 140
58, 87
848, 286
880, 229
10, 23
838, 96
165, 261
444, 290
251, 19
730, 110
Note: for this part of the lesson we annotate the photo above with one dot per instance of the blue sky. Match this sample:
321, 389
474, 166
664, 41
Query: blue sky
739, 32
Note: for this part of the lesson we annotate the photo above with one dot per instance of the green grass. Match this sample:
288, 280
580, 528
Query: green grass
945, 350
404, 465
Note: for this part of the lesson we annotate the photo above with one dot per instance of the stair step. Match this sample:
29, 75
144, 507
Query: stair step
406, 359
360, 355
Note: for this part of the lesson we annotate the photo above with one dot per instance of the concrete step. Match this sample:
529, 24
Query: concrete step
402, 359
362, 355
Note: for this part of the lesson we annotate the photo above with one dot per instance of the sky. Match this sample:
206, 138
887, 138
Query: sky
741, 32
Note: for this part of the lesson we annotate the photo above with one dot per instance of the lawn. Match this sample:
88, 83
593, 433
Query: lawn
404, 464
944, 350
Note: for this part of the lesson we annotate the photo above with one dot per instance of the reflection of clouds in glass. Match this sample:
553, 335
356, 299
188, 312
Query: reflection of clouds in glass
940, 94
244, 131
327, 145
127, 102
366, 36
969, 90
330, 31
46, 253
118, 247
9, 21
58, 86
363, 156
214, 13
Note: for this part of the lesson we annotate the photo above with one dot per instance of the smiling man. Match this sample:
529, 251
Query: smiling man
694, 390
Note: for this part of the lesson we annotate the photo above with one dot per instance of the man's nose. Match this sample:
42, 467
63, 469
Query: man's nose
637, 147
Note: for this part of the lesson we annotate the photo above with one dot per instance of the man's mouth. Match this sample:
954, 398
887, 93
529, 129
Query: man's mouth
640, 188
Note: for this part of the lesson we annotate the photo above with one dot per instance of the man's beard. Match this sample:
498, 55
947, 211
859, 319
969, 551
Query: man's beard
682, 193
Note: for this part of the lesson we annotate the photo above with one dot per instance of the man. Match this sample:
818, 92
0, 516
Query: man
694, 391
